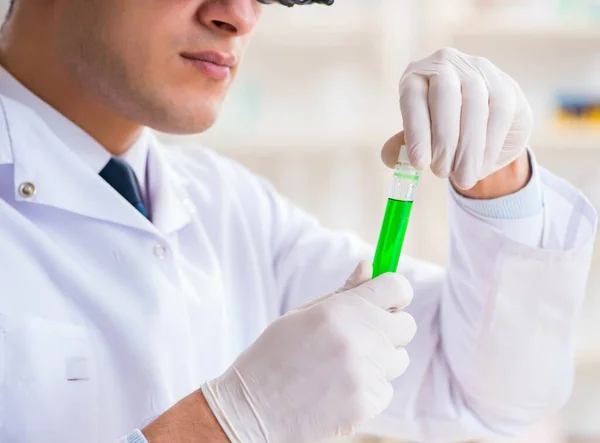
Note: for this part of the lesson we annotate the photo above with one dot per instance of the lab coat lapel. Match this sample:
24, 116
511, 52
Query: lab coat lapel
171, 207
61, 179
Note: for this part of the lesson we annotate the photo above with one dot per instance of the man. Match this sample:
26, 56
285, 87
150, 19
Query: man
176, 292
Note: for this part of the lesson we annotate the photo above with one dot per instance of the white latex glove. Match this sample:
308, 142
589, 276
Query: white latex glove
463, 117
322, 370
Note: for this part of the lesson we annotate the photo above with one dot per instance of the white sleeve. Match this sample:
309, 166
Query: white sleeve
519, 216
496, 342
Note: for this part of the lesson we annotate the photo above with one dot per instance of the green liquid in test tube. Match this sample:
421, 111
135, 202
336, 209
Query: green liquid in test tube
397, 215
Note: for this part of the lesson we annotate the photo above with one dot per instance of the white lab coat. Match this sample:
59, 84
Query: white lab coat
106, 320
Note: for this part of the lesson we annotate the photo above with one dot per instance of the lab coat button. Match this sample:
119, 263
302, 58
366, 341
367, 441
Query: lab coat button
27, 190
160, 251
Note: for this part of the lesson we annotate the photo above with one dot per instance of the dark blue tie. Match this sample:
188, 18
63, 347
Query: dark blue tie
121, 176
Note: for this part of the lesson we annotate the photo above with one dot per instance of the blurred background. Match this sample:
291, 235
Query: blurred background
317, 98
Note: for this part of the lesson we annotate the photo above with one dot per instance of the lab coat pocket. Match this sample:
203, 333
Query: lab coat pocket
48, 389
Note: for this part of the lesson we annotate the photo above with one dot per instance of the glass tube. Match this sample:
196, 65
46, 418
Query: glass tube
397, 216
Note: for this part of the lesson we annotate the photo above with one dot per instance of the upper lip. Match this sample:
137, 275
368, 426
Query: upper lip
218, 58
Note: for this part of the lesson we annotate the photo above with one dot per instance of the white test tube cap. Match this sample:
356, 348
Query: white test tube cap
403, 156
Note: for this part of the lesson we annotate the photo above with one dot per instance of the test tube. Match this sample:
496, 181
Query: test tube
397, 215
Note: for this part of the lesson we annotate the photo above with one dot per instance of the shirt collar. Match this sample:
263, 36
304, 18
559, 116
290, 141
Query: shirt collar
61, 180
137, 157
80, 142
43, 146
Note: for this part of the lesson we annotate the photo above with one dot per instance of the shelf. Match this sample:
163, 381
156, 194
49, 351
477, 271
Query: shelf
286, 143
552, 140
567, 139
348, 24
316, 35
544, 32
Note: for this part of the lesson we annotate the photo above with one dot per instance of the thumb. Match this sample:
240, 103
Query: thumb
391, 150
361, 274
390, 291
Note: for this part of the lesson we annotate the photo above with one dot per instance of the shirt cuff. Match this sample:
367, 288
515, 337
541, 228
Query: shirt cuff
135, 437
522, 204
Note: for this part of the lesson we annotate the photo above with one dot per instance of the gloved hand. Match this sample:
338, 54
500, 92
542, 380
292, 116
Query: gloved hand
319, 371
463, 117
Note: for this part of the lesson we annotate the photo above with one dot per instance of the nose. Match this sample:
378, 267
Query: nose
230, 17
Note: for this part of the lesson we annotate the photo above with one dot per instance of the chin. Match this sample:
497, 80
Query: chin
185, 120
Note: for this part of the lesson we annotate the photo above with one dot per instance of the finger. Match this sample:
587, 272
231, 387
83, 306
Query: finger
361, 274
380, 393
445, 103
472, 142
391, 150
315, 301
498, 127
502, 106
415, 115
391, 361
388, 291
520, 121
397, 363
519, 133
399, 328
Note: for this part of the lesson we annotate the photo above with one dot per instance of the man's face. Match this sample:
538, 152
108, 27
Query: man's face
166, 64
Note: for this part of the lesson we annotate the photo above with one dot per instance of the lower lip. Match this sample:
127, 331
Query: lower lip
210, 69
